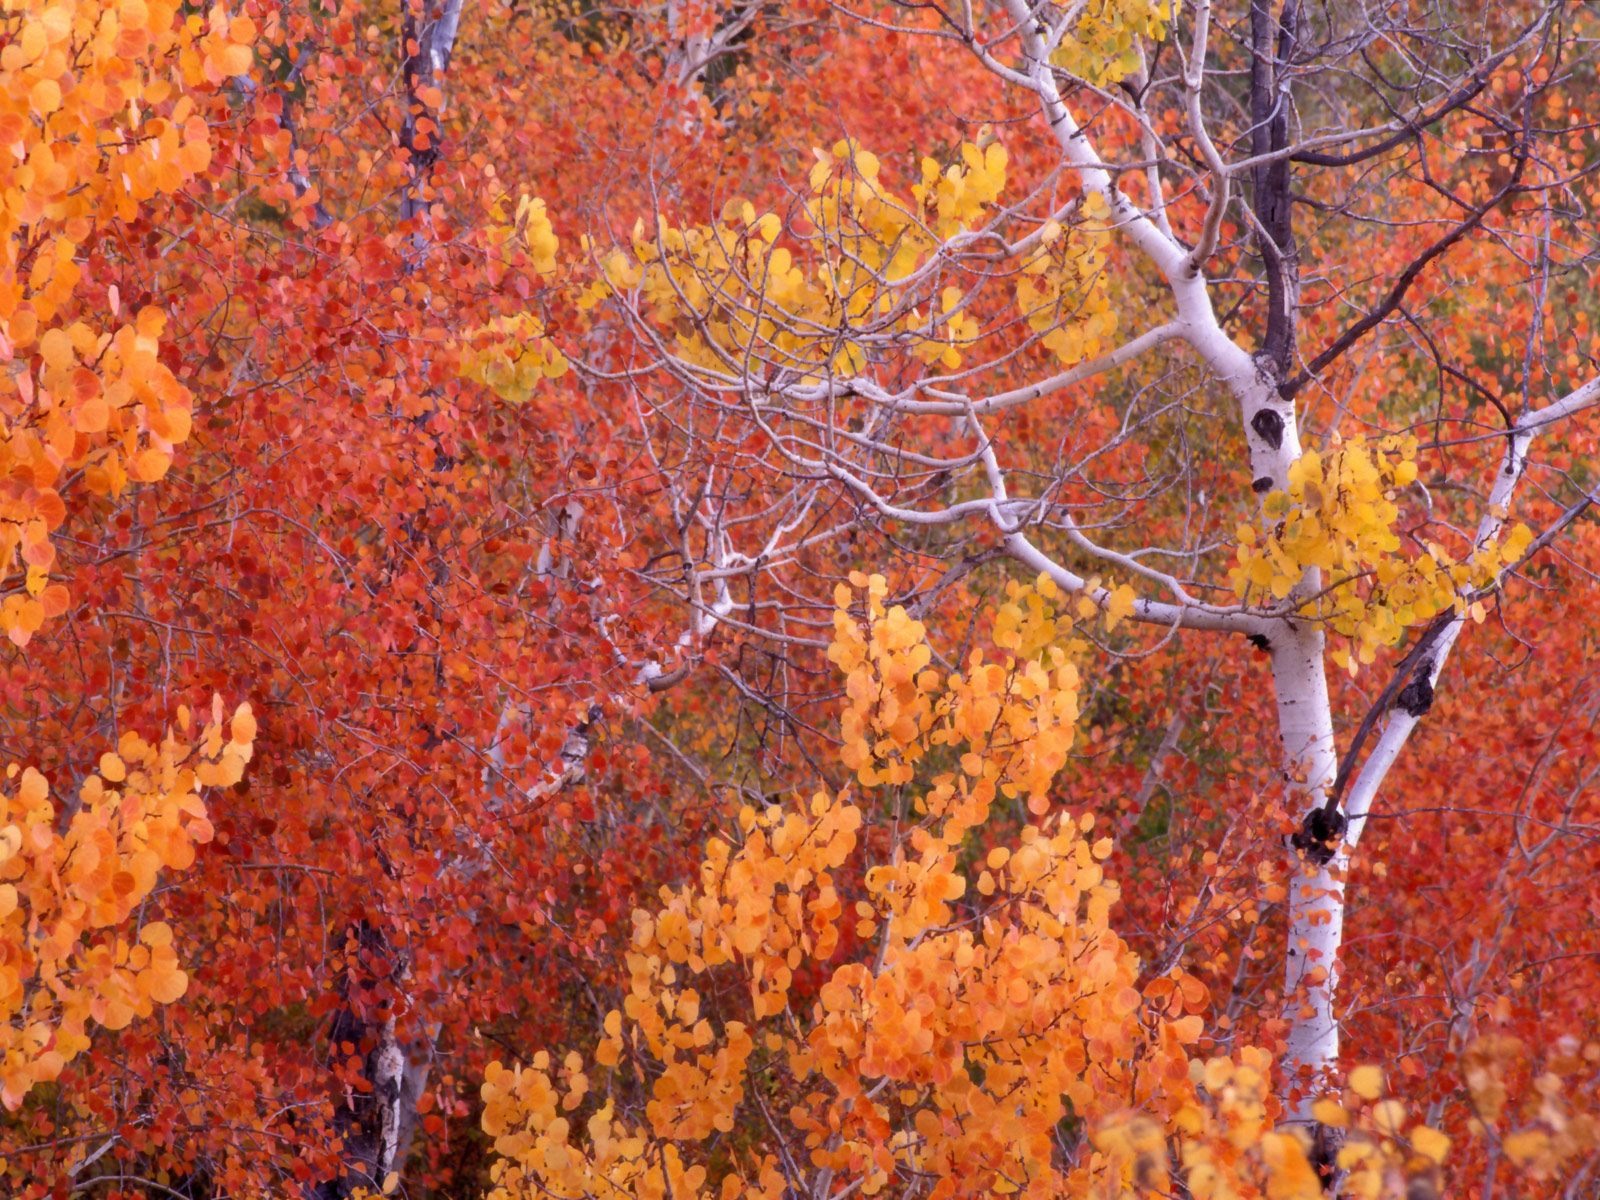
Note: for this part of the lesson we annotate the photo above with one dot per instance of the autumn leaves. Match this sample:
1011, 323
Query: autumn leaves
968, 1013
98, 116
979, 1028
67, 957
1340, 516
858, 274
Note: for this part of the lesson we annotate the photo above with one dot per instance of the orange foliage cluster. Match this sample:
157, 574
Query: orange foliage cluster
96, 120
65, 959
948, 1053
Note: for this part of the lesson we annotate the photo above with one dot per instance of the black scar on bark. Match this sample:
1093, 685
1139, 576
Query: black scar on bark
1259, 641
1325, 1145
1319, 834
1264, 484
1269, 427
1416, 698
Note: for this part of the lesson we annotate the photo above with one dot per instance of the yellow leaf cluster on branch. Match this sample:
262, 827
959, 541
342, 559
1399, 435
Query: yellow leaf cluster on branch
1339, 518
859, 276
1102, 45
512, 356
1061, 291
1551, 1121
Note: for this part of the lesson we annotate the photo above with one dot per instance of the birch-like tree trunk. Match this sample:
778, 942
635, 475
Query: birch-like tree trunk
1252, 184
1261, 385
376, 1124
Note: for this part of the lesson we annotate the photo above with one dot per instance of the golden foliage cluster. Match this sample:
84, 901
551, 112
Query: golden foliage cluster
64, 897
96, 119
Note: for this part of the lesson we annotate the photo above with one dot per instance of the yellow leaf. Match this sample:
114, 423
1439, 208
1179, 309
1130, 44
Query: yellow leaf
166, 987
150, 464
55, 347
1527, 1146
1331, 1113
1430, 1143
1119, 605
1366, 1082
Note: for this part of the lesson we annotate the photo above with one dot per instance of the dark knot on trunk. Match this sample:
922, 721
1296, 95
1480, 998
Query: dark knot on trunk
1416, 698
1268, 426
1319, 834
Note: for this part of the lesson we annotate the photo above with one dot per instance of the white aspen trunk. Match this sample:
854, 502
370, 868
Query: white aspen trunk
1305, 716
388, 1068
1316, 891
435, 41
